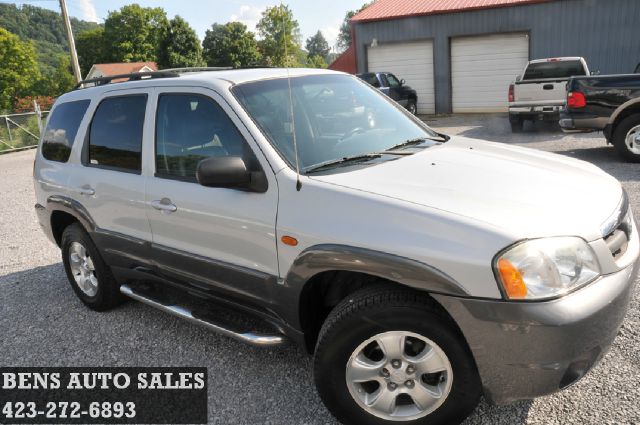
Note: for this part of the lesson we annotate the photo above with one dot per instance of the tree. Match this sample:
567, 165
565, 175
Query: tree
180, 47
316, 62
344, 37
230, 45
134, 33
317, 45
90, 46
18, 68
280, 35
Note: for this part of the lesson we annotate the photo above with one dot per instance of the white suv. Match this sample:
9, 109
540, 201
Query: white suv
421, 271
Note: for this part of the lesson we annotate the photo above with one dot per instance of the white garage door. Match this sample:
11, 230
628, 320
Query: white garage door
482, 69
411, 61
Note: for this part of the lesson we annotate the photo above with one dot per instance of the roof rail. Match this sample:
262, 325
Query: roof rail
134, 76
199, 69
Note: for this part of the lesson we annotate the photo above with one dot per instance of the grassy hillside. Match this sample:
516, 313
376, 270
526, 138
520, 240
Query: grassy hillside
44, 27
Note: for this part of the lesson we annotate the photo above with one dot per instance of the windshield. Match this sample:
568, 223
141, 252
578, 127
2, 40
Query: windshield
335, 116
557, 69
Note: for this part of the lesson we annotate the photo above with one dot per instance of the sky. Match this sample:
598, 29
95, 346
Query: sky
312, 15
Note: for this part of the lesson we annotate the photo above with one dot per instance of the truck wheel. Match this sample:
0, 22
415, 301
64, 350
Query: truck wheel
516, 125
626, 138
90, 278
387, 355
412, 107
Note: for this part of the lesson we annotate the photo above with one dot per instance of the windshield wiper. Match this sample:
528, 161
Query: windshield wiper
341, 161
417, 141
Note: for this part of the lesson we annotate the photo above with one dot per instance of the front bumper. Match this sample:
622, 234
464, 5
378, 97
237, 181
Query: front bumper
528, 349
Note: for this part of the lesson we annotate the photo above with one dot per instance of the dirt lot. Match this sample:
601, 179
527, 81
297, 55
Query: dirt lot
43, 324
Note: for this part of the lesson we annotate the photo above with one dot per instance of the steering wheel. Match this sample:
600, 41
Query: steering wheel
352, 133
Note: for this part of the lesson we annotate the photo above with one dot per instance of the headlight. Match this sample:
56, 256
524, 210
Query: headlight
545, 268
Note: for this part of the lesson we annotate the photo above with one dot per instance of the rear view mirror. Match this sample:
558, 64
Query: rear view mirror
229, 172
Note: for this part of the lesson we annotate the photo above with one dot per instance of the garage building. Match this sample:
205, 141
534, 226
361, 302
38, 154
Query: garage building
461, 55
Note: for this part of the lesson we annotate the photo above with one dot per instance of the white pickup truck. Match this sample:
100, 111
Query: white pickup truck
540, 92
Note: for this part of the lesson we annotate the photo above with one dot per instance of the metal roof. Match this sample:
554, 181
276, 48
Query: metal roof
394, 9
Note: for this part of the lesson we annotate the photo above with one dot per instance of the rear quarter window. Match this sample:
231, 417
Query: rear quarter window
61, 130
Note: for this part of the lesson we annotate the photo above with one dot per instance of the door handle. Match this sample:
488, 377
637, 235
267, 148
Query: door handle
164, 205
548, 87
86, 190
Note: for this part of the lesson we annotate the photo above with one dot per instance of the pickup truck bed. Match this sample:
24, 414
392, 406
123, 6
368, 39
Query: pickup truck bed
608, 103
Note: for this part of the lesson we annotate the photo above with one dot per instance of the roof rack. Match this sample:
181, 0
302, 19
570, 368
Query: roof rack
199, 69
134, 76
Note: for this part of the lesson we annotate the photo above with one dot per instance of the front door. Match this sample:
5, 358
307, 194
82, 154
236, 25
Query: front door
215, 238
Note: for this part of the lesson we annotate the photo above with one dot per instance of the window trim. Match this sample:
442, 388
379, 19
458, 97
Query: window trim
73, 142
187, 179
87, 139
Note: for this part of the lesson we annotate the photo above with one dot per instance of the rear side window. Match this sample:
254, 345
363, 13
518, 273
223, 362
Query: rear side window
62, 129
559, 69
371, 79
190, 128
115, 138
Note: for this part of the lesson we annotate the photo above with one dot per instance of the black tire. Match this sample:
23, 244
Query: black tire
516, 125
375, 310
108, 291
412, 107
619, 138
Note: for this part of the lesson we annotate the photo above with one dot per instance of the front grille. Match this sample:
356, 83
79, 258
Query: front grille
616, 230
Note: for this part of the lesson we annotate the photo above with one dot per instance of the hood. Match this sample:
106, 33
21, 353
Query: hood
525, 192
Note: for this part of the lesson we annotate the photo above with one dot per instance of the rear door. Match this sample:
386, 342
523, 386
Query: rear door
108, 182
217, 239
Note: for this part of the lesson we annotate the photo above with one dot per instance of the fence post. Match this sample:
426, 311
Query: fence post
38, 112
6, 121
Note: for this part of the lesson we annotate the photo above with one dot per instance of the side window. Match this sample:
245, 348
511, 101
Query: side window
62, 129
372, 79
393, 81
115, 138
383, 78
190, 128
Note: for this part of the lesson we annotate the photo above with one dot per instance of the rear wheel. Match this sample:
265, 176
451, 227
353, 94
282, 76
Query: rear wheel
626, 138
389, 355
516, 125
89, 276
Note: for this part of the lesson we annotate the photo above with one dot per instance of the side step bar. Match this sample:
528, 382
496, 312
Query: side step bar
183, 313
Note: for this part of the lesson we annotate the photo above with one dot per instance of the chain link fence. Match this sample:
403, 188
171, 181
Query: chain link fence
21, 131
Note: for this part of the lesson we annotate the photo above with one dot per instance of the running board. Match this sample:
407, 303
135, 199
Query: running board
184, 313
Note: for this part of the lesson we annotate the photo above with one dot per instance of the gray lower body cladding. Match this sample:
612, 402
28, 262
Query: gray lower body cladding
528, 349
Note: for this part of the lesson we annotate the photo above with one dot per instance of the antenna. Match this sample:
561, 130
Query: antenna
293, 121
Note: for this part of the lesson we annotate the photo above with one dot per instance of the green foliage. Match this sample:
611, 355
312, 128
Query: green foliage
19, 68
91, 49
280, 36
134, 33
344, 37
317, 45
230, 45
180, 47
316, 62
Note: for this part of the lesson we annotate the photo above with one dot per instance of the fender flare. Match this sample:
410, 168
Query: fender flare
412, 273
622, 108
72, 207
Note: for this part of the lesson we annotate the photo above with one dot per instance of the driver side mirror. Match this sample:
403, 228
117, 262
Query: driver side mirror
595, 72
402, 82
518, 78
230, 172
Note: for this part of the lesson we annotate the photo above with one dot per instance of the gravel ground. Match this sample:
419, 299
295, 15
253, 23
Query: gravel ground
43, 324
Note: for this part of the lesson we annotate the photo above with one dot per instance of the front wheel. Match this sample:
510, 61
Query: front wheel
412, 107
389, 355
626, 138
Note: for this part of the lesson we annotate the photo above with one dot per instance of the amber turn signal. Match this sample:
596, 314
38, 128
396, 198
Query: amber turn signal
289, 240
511, 280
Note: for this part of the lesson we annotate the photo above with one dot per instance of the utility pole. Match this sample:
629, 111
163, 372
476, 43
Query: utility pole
72, 45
